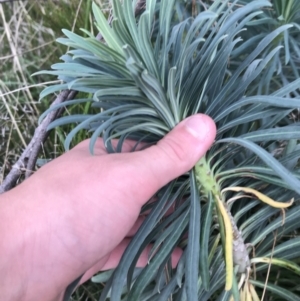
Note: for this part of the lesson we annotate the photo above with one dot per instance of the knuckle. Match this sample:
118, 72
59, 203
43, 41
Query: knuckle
173, 149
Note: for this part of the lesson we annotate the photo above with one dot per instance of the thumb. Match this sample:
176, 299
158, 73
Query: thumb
177, 152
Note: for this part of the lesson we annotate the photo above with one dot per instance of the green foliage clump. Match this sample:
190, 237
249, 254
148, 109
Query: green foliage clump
155, 69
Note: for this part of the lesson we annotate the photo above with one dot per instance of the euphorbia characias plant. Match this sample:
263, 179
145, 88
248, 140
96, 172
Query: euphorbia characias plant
150, 72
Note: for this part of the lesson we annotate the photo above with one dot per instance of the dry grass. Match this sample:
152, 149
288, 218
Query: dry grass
28, 30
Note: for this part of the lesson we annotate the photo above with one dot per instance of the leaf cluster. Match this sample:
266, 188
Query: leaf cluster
158, 68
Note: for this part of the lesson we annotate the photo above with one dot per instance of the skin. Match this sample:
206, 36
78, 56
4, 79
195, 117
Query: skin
76, 214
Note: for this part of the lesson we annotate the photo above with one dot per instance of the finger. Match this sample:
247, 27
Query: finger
169, 208
174, 155
143, 260
136, 226
180, 150
93, 270
112, 261
99, 148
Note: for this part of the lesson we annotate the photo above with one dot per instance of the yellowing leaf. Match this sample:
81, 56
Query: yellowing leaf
253, 293
242, 294
261, 196
228, 246
248, 294
287, 264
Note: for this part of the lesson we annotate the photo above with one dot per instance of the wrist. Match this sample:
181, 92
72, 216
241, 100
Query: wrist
32, 264
13, 275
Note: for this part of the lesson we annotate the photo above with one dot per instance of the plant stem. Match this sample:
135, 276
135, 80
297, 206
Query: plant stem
233, 244
208, 185
205, 178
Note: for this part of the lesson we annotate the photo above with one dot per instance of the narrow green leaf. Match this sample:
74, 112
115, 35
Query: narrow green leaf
108, 34
168, 290
280, 102
284, 263
150, 270
279, 133
51, 89
70, 289
67, 120
102, 276
286, 89
204, 243
289, 249
136, 242
280, 170
193, 246
172, 95
224, 296
286, 46
248, 117
277, 290
291, 218
146, 48
63, 104
216, 104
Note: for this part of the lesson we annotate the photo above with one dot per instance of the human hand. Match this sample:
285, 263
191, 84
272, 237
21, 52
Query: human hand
77, 213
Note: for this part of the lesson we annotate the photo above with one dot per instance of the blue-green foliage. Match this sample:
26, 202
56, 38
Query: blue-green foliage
156, 69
